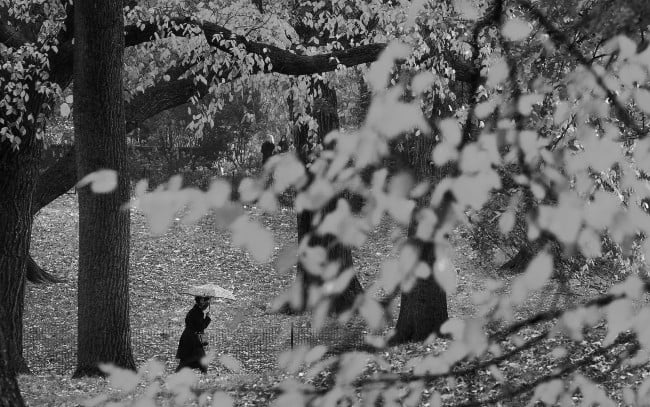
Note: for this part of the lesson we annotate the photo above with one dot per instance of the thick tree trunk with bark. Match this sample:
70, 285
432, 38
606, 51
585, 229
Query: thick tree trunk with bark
324, 110
19, 169
103, 297
9, 391
423, 309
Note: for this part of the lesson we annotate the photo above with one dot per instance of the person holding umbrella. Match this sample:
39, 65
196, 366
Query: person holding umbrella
191, 344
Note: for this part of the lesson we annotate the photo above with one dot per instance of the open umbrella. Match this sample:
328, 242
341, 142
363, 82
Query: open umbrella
209, 290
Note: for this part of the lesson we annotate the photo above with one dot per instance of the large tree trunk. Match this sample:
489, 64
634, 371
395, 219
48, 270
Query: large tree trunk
9, 391
103, 297
19, 169
424, 308
324, 110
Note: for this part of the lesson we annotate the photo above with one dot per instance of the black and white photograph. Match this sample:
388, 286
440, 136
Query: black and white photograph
332, 203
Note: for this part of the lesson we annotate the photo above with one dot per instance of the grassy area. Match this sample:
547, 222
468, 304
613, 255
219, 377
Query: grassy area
187, 254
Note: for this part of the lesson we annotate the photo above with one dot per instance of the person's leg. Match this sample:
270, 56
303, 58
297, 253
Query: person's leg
198, 365
194, 363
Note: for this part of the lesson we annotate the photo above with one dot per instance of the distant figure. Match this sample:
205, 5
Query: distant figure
191, 345
283, 145
268, 147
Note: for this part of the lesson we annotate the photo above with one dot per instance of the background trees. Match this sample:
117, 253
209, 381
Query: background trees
38, 65
539, 112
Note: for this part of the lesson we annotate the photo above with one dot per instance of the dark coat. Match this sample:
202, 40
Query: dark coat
190, 347
283, 146
267, 150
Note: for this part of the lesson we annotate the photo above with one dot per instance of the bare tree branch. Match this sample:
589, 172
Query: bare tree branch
527, 388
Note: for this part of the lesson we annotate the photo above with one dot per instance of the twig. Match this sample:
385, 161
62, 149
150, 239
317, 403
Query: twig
528, 387
553, 314
559, 38
557, 140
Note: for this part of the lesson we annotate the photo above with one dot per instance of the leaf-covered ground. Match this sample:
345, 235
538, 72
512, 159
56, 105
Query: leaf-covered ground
162, 266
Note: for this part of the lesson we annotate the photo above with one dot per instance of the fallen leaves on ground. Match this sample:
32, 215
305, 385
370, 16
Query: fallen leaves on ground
244, 330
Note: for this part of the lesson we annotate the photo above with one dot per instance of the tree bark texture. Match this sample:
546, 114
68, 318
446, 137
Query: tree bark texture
324, 110
19, 169
9, 391
423, 309
104, 228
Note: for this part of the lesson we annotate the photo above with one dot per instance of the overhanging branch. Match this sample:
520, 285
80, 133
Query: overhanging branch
275, 59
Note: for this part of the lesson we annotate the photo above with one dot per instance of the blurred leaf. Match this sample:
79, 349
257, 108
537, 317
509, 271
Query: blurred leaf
222, 399
152, 369
218, 193
378, 75
445, 274
642, 98
450, 131
497, 72
537, 273
549, 392
249, 190
352, 365
506, 222
484, 109
315, 354
589, 243
372, 312
466, 9
120, 379
101, 181
253, 237
231, 363
562, 113
422, 82
516, 29
65, 110
526, 103
287, 258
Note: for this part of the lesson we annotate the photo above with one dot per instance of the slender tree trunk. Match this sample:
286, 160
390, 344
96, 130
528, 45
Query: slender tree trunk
103, 297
